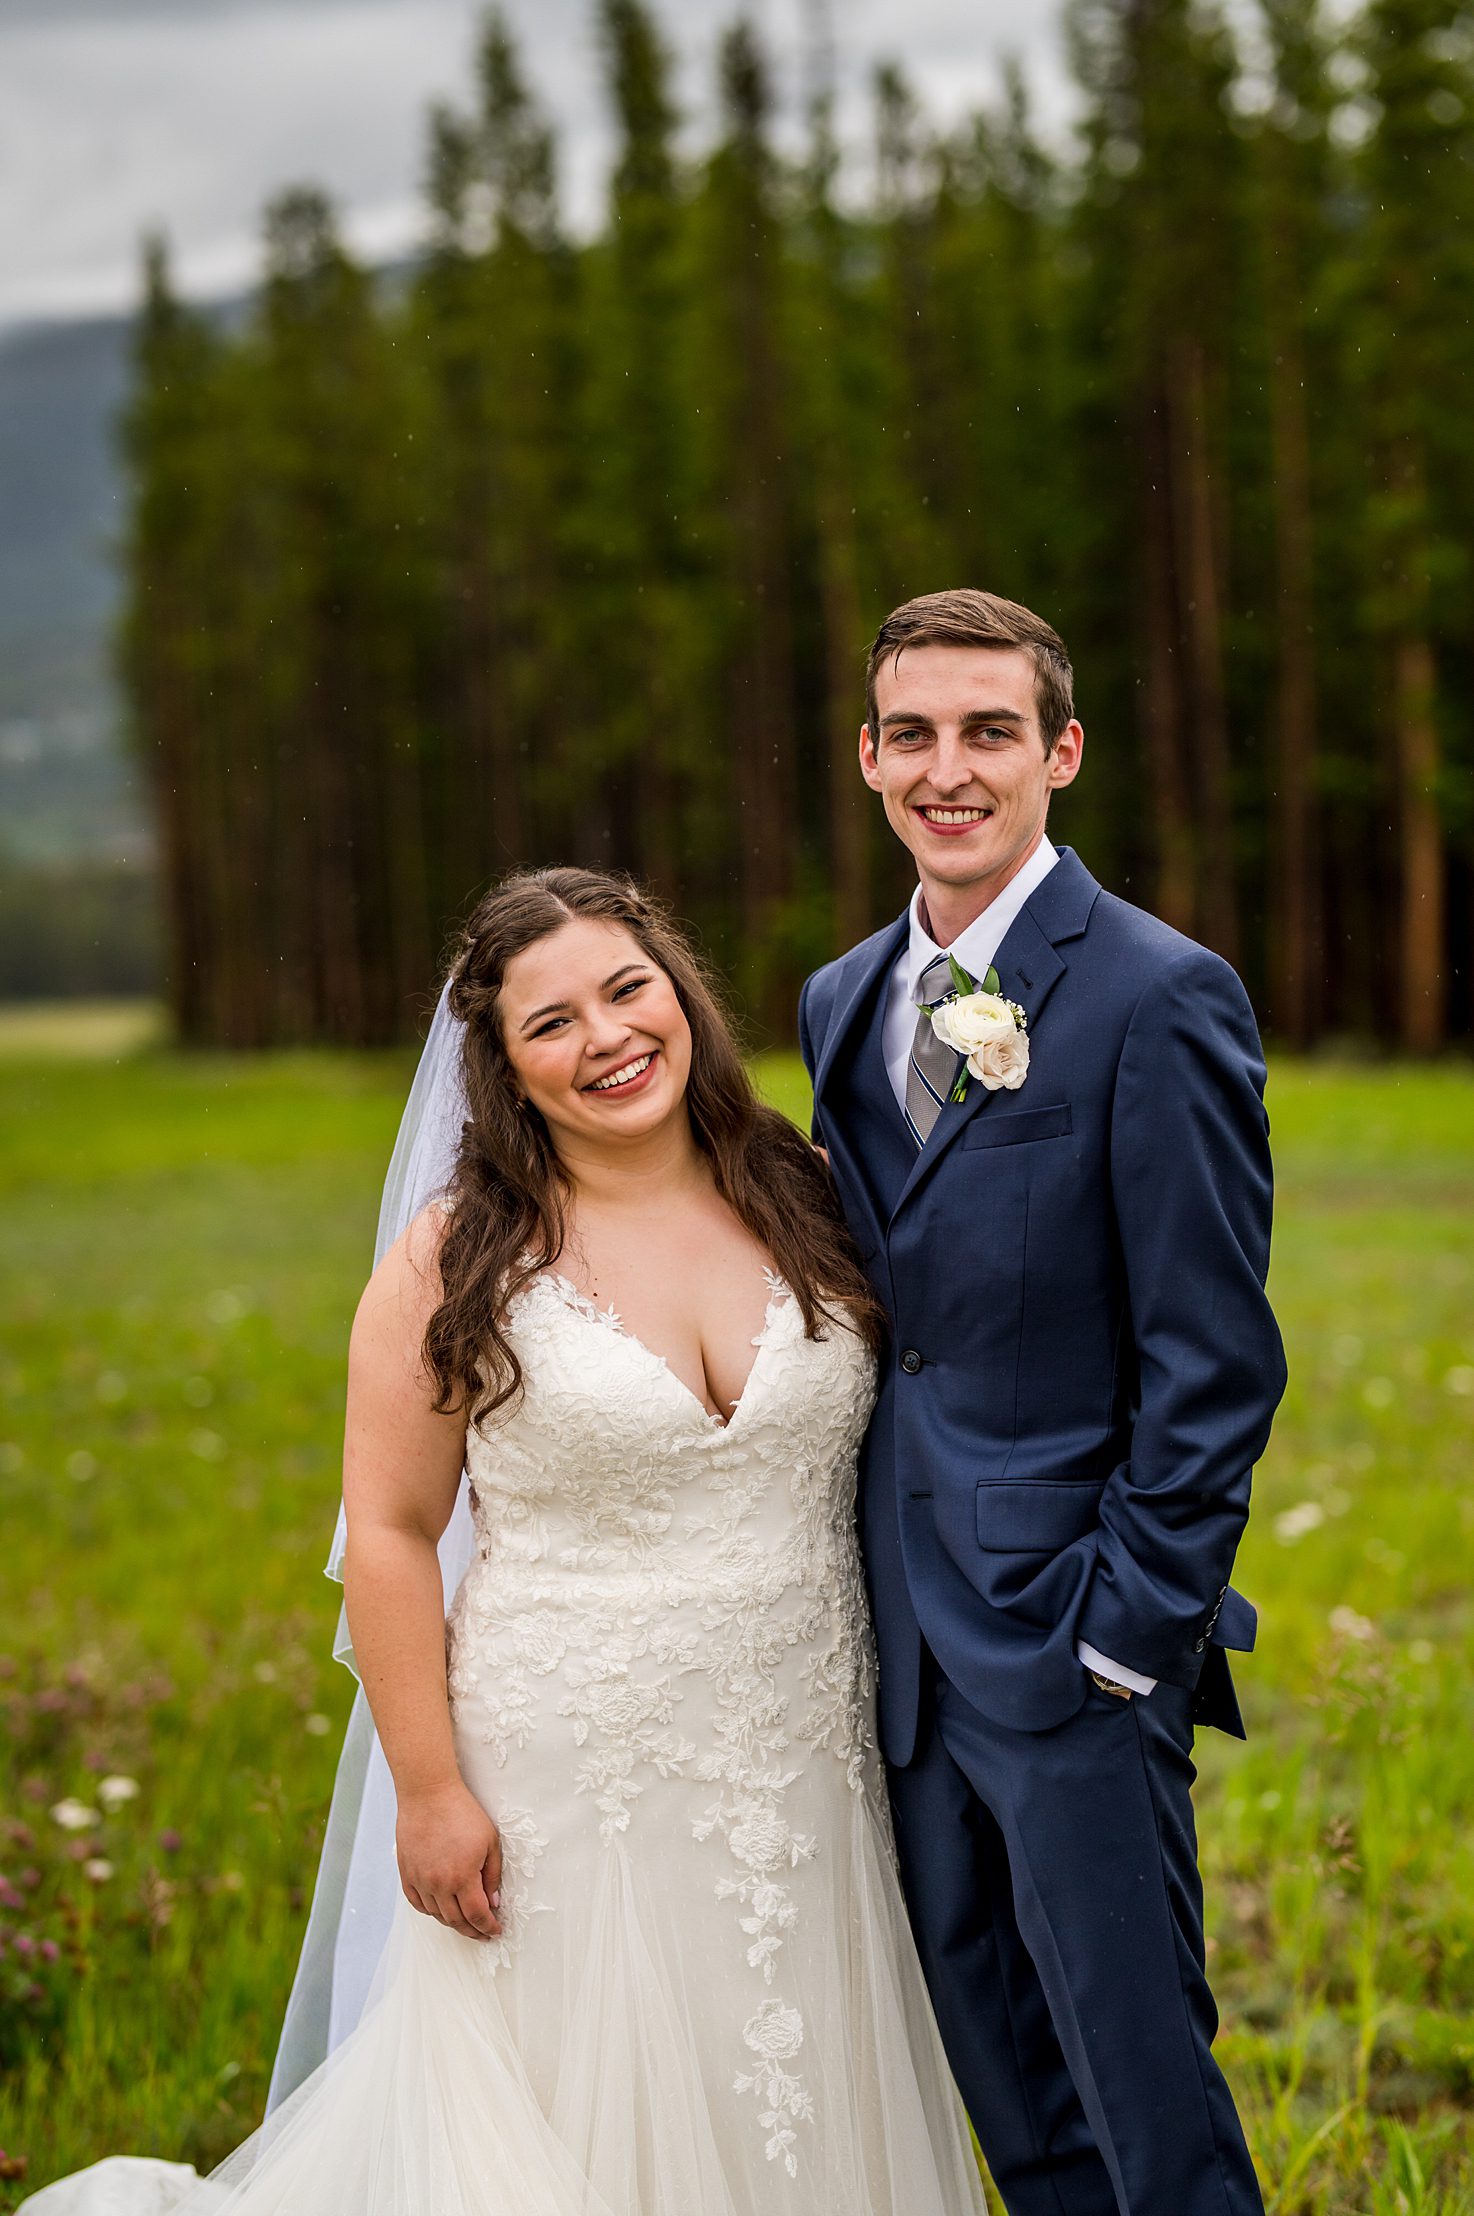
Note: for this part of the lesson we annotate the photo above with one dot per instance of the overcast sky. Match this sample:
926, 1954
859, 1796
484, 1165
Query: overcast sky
120, 114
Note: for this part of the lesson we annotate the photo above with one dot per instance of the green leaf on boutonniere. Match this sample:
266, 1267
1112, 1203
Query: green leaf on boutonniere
960, 977
992, 982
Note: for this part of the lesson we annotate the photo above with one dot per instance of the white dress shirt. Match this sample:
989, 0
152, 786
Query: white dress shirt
976, 948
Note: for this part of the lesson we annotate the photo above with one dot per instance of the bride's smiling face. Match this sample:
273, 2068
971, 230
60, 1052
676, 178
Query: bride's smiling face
597, 1039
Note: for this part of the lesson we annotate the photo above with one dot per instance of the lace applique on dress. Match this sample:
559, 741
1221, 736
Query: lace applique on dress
523, 1846
682, 1598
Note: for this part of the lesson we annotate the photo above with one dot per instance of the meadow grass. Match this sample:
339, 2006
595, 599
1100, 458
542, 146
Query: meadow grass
181, 1244
85, 1030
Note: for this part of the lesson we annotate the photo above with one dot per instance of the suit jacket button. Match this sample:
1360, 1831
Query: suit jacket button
911, 1361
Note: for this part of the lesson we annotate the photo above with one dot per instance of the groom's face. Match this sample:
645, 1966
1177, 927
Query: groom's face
960, 762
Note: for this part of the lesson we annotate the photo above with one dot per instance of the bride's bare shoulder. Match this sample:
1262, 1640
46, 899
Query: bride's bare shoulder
405, 1289
423, 1237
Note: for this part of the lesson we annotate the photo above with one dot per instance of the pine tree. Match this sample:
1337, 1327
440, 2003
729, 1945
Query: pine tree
342, 867
639, 467
748, 459
831, 358
493, 309
165, 437
918, 417
1417, 280
1293, 190
1163, 175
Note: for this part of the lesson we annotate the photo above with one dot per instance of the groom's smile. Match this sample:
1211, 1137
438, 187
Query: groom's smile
960, 761
952, 821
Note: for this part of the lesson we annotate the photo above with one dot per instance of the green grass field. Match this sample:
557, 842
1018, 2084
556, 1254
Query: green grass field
181, 1244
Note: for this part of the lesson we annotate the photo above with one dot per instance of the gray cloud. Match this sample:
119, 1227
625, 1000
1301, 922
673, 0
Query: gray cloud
119, 115
15, 14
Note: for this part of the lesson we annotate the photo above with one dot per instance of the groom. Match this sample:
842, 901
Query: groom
1082, 1374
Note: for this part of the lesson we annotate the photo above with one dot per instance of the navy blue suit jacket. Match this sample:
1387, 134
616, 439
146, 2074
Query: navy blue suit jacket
1084, 1365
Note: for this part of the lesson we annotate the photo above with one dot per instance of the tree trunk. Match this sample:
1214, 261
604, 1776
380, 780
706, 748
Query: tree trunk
658, 854
1297, 950
1423, 896
849, 815
763, 725
1202, 626
1162, 704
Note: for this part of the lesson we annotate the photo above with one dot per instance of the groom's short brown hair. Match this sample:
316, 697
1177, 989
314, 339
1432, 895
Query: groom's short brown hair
966, 617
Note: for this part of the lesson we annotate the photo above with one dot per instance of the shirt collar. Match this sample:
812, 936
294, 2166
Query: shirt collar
976, 948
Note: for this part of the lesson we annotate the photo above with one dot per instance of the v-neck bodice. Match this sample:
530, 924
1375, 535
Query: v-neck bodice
778, 1293
608, 1461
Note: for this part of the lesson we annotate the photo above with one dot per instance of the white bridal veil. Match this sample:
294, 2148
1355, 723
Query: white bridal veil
358, 1879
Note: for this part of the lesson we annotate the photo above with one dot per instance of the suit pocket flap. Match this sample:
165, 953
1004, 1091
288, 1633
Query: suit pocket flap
1005, 1129
1036, 1515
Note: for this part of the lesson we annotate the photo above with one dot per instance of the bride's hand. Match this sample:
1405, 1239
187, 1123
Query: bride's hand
450, 1860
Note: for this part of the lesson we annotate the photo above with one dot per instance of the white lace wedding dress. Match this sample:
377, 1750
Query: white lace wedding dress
706, 2001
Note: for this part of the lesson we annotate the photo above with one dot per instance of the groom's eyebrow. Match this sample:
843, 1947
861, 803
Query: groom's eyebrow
974, 717
556, 1007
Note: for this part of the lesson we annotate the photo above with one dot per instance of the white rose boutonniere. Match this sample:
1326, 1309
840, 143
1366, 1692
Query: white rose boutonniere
992, 1032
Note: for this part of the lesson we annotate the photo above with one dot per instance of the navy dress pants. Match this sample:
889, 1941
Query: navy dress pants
1053, 1885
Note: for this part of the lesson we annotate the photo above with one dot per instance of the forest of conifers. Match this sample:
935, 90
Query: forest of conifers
558, 547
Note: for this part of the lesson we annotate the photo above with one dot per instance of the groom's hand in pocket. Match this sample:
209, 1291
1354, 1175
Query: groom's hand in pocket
450, 1860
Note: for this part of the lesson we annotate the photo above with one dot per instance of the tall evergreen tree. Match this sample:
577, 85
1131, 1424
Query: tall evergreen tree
494, 308
746, 410
1163, 171
1416, 272
341, 855
918, 416
1293, 190
640, 463
166, 437
832, 357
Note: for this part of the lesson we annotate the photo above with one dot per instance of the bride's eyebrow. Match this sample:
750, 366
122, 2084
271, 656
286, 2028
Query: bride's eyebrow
558, 1007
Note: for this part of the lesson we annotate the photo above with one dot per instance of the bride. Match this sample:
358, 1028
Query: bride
651, 1957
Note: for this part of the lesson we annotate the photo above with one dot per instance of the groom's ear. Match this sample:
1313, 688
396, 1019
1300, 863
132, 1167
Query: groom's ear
1065, 756
869, 767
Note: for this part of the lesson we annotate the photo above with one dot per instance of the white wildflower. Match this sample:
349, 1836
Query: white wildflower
74, 1815
1293, 1523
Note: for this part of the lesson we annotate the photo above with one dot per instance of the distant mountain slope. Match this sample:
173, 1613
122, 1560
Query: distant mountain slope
61, 386
66, 789
68, 792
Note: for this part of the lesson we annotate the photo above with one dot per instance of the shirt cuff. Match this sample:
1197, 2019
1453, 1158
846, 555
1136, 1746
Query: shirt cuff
1117, 1672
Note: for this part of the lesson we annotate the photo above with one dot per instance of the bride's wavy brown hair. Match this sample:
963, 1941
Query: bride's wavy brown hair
508, 1196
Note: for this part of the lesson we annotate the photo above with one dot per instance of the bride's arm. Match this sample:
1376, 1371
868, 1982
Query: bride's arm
401, 1467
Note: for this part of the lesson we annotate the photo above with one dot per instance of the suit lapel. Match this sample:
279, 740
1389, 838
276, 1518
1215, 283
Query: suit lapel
872, 963
1029, 966
845, 1036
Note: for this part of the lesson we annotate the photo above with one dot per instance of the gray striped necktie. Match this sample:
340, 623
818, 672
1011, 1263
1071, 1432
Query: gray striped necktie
932, 1070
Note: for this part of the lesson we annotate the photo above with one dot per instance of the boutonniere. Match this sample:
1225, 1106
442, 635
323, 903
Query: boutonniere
992, 1032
